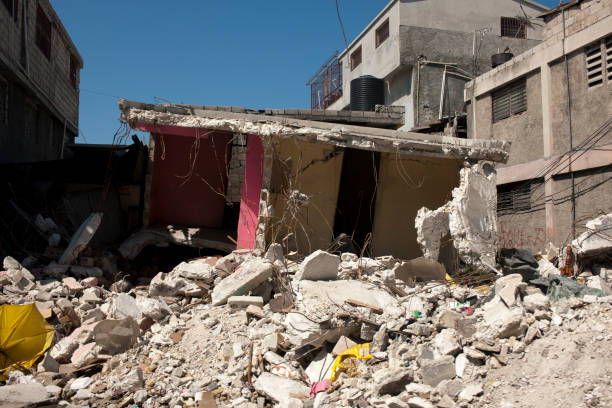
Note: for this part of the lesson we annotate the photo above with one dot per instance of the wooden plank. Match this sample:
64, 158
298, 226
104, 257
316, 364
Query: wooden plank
358, 303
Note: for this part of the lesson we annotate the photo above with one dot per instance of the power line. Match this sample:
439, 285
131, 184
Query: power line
341, 25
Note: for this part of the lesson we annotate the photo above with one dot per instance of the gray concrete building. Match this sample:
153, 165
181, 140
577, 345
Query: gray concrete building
426, 51
554, 104
39, 83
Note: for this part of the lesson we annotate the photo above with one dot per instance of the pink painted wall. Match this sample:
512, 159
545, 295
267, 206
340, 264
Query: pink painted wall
251, 190
195, 201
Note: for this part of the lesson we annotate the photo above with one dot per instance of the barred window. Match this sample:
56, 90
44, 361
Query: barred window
509, 100
382, 33
513, 197
43, 32
356, 58
512, 27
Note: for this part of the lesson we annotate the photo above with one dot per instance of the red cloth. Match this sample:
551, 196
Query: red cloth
318, 387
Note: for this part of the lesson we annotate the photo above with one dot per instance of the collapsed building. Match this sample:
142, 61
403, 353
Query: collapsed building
303, 183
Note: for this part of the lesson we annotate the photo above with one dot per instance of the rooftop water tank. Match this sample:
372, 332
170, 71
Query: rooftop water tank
367, 92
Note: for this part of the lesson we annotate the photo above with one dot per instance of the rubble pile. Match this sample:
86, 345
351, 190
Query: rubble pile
255, 330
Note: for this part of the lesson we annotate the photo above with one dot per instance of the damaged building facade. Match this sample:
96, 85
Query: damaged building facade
306, 182
39, 83
425, 52
553, 104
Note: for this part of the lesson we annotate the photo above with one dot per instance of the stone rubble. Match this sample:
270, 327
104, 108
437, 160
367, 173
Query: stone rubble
211, 333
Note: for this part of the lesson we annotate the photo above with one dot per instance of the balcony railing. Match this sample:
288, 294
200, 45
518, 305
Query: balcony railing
326, 84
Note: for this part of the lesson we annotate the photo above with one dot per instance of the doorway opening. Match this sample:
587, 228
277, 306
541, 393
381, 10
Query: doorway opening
357, 196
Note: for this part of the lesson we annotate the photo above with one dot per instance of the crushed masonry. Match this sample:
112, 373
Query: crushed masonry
397, 334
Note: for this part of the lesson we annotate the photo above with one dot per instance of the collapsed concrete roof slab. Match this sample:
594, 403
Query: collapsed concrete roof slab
149, 117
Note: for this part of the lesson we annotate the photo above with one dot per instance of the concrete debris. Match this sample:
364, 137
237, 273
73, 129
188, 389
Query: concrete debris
319, 265
81, 238
597, 240
247, 330
246, 278
470, 219
24, 395
280, 389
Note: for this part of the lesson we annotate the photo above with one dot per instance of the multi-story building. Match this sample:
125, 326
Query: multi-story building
426, 51
554, 103
39, 83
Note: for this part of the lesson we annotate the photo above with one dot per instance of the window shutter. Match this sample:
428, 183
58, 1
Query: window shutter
594, 65
509, 100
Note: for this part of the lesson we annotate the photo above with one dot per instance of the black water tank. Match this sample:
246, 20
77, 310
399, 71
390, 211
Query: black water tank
367, 92
498, 59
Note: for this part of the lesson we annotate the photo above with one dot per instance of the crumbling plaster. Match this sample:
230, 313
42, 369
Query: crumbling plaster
470, 218
357, 137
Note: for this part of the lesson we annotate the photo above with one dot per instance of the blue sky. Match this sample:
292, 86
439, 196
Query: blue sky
256, 54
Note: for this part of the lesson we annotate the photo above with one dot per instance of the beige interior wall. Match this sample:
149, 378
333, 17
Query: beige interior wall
405, 185
319, 180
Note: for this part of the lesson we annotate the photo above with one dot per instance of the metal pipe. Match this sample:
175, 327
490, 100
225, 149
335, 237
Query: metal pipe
442, 92
569, 122
416, 115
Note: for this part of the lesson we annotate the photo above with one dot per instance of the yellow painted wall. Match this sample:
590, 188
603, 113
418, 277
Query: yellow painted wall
320, 180
405, 185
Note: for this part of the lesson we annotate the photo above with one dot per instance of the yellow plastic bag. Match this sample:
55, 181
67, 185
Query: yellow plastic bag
24, 336
361, 351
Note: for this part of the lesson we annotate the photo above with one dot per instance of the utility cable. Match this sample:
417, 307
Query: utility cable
341, 25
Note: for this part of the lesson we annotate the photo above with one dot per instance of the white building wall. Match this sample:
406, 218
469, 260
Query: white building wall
467, 15
378, 62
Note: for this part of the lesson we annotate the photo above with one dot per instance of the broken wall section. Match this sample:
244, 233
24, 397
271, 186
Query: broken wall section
469, 221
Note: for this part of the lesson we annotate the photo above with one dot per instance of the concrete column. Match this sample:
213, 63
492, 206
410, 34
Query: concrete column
547, 141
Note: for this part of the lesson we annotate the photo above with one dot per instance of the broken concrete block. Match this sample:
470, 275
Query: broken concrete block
434, 371
447, 343
535, 302
420, 270
471, 391
275, 253
513, 279
132, 381
152, 308
418, 402
198, 269
391, 381
10, 263
246, 278
448, 319
510, 323
24, 395
470, 218
320, 367
280, 389
94, 315
48, 364
84, 355
597, 282
343, 344
126, 306
90, 295
244, 301
72, 284
116, 336
63, 349
81, 238
597, 240
319, 265
508, 295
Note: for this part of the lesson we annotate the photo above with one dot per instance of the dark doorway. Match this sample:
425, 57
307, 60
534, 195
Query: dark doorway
357, 195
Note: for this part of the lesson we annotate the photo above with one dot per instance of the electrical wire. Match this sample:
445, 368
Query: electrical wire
341, 25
